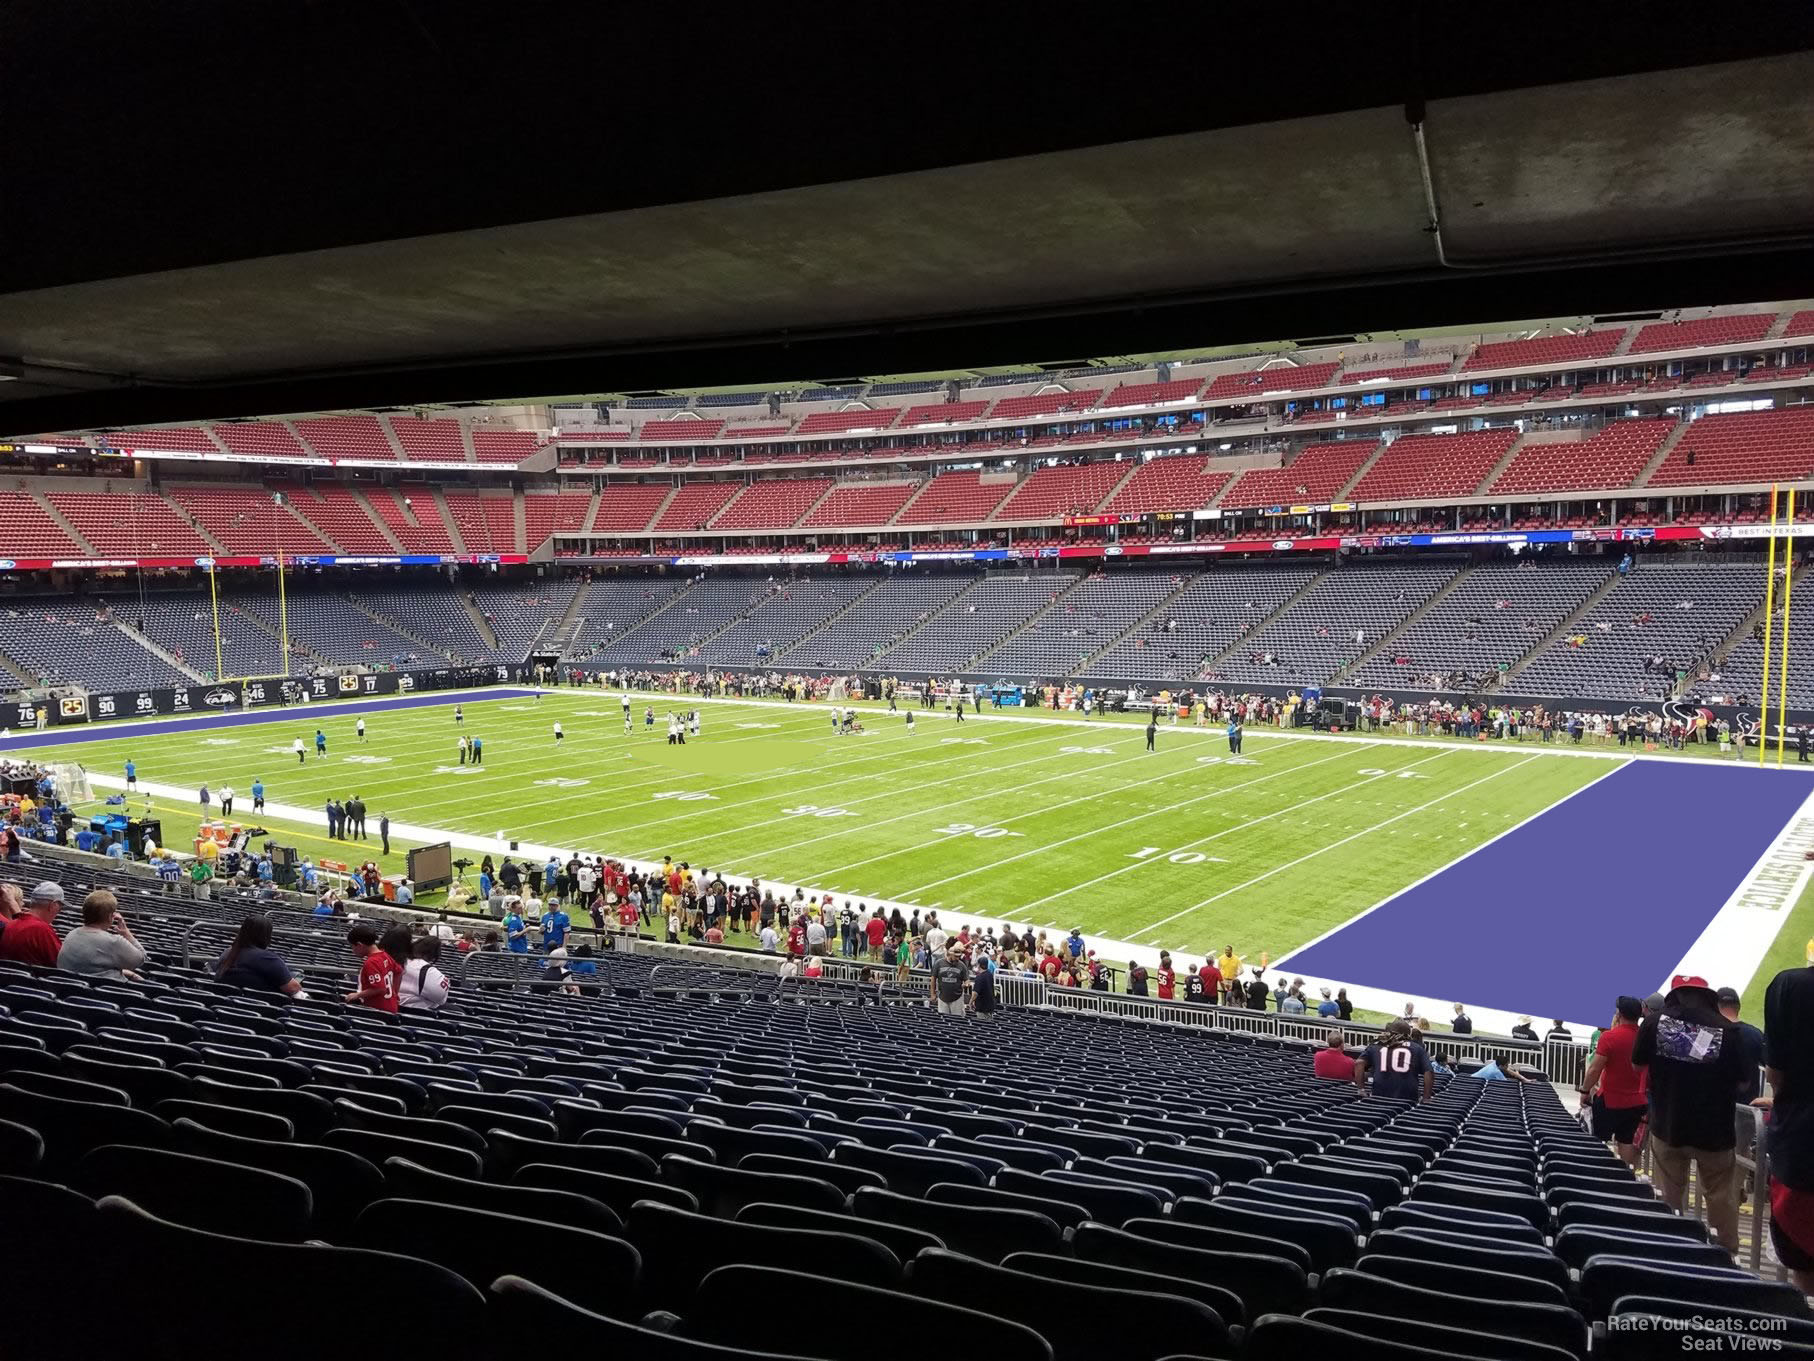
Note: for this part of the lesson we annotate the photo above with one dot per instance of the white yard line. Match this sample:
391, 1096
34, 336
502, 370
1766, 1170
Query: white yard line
941, 809
1066, 803
1437, 1009
1333, 845
1138, 817
1733, 945
1251, 734
1238, 827
961, 776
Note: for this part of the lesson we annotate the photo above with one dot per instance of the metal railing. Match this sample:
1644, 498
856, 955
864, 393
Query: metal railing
1559, 1061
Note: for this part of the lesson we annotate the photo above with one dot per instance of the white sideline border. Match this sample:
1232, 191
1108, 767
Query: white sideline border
1728, 954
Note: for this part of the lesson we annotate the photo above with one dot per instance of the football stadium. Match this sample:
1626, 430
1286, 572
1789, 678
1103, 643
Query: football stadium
759, 738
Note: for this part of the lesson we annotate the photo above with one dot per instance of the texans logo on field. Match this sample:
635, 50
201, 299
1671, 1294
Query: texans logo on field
220, 697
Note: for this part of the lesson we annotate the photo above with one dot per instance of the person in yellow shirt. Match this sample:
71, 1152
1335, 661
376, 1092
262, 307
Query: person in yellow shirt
207, 849
1229, 965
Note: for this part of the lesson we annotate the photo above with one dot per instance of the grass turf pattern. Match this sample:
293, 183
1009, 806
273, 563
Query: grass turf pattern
1052, 825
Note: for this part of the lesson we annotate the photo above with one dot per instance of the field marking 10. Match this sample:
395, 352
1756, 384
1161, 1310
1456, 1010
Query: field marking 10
1176, 857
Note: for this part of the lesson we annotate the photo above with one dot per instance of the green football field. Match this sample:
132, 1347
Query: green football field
1052, 824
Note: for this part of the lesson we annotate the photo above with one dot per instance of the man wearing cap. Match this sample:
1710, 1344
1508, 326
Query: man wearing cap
1696, 1062
30, 938
1613, 1090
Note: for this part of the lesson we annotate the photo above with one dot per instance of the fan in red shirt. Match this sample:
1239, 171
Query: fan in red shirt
1212, 980
1614, 1091
29, 937
877, 931
796, 937
379, 974
1332, 1060
1168, 978
1051, 966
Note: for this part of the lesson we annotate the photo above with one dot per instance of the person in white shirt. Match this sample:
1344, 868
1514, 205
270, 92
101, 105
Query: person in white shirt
557, 732
815, 936
296, 747
424, 987
441, 930
359, 730
150, 848
226, 801
770, 941
587, 879
935, 941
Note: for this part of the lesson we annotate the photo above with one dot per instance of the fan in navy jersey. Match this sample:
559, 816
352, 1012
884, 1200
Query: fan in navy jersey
1399, 1066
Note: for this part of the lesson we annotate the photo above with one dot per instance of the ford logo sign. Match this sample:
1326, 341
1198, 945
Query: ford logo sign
7, 564
1281, 545
204, 562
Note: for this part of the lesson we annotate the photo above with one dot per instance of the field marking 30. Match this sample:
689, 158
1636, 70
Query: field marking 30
954, 803
868, 798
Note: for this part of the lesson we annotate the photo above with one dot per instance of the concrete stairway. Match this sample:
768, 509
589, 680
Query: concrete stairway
377, 519
1391, 636
1211, 663
1562, 630
168, 658
479, 621
1162, 608
63, 523
1664, 450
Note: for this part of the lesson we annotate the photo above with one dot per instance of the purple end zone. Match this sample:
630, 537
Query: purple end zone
317, 712
1600, 895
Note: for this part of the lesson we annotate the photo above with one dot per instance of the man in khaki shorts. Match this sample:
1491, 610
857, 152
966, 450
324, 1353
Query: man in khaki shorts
1697, 1068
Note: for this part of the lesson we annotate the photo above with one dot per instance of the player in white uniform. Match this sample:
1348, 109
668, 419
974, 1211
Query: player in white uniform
557, 732
359, 729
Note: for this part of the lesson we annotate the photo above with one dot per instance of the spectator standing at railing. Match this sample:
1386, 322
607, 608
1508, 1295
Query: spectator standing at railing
1229, 966
1695, 1059
1256, 990
1211, 977
1168, 977
1613, 1091
1751, 1038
